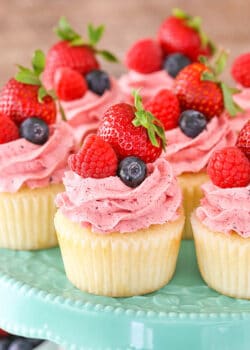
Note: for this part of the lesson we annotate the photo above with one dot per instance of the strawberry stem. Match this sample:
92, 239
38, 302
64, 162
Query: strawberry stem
148, 121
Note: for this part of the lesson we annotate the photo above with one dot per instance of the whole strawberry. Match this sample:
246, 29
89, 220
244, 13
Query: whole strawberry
69, 84
145, 56
229, 167
74, 52
197, 87
182, 33
95, 159
132, 131
8, 129
243, 141
241, 70
24, 96
165, 107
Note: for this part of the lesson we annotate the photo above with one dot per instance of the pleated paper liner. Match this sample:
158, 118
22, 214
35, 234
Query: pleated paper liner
118, 264
27, 218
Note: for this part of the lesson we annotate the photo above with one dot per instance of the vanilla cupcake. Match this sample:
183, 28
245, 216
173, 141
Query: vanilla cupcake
119, 226
73, 71
221, 224
33, 157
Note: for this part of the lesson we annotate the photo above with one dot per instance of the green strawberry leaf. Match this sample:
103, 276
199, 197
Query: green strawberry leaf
38, 62
108, 56
231, 107
220, 63
95, 34
64, 30
208, 76
41, 94
148, 121
27, 77
179, 13
78, 41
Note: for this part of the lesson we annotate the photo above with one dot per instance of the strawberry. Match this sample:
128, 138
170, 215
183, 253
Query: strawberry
243, 141
95, 159
182, 33
3, 333
69, 84
229, 167
8, 129
132, 131
241, 70
197, 87
165, 107
74, 52
25, 96
145, 56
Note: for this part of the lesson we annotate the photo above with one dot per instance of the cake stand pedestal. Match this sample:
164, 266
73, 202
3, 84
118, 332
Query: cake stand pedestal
37, 300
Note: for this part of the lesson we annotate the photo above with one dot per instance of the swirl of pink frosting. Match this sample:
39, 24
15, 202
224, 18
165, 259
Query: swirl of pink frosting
243, 100
150, 84
108, 205
84, 114
192, 154
225, 209
24, 163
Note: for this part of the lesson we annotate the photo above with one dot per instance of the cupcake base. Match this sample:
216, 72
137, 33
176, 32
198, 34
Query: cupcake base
27, 218
116, 264
223, 260
190, 184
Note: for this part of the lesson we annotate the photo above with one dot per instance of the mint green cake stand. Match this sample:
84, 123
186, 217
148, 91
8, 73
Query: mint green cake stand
36, 300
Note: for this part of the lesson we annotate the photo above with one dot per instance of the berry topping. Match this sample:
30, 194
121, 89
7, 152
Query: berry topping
192, 123
34, 130
175, 62
20, 344
241, 70
4, 344
197, 87
132, 171
132, 131
165, 107
229, 167
98, 81
69, 84
96, 159
145, 56
182, 33
8, 129
243, 141
25, 96
75, 52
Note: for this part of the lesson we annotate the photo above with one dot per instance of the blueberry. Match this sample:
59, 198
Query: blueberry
175, 62
34, 130
4, 343
34, 342
98, 81
132, 171
192, 122
20, 344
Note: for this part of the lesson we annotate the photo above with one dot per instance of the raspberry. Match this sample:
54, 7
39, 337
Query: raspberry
241, 69
145, 56
8, 130
165, 107
96, 159
69, 84
243, 141
229, 167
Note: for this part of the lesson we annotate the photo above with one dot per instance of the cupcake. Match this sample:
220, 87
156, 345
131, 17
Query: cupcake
153, 64
241, 73
33, 157
221, 224
195, 127
119, 226
73, 71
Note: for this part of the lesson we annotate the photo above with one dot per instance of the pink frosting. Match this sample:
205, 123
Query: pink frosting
192, 154
24, 163
243, 100
84, 114
150, 84
108, 205
226, 209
